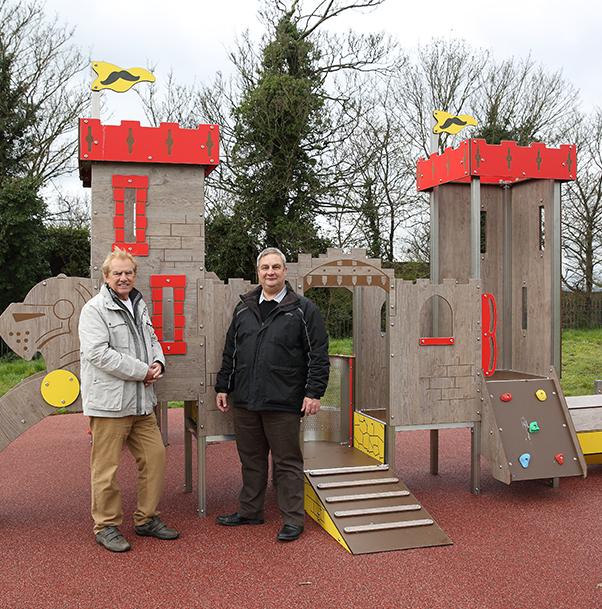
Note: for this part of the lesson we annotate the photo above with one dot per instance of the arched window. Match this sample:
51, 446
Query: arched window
436, 322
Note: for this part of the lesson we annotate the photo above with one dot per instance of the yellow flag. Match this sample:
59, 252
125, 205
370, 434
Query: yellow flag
450, 123
118, 79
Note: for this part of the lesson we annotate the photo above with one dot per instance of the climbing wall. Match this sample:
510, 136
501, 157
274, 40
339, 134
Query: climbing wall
527, 431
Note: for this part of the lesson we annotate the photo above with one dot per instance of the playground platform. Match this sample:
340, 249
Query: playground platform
520, 546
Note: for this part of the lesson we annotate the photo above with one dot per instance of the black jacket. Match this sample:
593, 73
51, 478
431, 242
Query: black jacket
273, 365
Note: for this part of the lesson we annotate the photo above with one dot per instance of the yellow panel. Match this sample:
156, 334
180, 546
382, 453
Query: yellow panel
60, 388
591, 442
369, 436
315, 509
593, 459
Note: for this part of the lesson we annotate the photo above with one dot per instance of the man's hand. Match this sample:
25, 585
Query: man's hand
310, 405
154, 372
221, 401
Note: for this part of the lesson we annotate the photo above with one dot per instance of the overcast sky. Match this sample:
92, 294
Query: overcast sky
194, 36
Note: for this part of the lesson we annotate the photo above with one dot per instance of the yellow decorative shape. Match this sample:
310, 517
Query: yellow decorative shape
118, 79
60, 388
450, 123
541, 395
369, 436
315, 509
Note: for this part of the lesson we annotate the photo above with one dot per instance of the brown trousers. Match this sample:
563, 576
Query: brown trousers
143, 438
258, 433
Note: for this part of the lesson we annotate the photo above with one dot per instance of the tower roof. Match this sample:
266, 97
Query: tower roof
130, 142
502, 163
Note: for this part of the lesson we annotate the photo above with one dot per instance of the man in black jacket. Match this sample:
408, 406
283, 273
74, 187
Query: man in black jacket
275, 369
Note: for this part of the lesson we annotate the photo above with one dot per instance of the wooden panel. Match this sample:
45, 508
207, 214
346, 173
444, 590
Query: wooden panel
435, 384
454, 231
532, 270
371, 366
47, 321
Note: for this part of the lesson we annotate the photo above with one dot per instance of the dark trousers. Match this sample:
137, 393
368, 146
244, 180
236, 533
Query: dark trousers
258, 433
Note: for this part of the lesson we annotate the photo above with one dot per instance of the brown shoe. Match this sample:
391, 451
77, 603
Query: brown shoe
112, 540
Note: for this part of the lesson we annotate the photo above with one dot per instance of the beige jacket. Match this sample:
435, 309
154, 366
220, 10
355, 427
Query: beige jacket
116, 351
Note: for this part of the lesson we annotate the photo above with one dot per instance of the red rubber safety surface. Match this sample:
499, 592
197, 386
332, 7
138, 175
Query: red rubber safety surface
522, 546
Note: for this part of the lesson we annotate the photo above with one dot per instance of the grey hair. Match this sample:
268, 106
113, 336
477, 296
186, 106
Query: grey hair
271, 250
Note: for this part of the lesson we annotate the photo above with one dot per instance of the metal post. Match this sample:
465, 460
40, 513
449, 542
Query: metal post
475, 460
475, 228
187, 450
95, 104
434, 241
556, 270
390, 436
201, 448
434, 438
506, 308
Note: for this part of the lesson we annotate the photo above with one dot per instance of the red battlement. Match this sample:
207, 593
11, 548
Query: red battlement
131, 143
502, 163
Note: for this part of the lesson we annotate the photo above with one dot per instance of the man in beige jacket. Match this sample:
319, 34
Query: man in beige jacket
121, 359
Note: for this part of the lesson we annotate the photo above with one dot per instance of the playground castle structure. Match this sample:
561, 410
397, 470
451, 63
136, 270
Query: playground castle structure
493, 297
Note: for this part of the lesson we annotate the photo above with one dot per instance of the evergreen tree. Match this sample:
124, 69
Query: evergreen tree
275, 156
22, 261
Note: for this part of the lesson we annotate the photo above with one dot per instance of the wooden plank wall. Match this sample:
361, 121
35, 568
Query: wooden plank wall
175, 215
216, 306
532, 269
435, 384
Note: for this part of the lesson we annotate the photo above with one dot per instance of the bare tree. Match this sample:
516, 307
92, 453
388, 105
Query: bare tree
582, 213
46, 70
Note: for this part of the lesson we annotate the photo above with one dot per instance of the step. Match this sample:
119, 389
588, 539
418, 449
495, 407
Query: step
378, 510
347, 470
365, 496
350, 483
383, 526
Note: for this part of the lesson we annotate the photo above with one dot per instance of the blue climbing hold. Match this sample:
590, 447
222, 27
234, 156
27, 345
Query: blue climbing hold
524, 460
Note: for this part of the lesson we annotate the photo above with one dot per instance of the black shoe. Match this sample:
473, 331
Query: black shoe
290, 532
111, 539
155, 527
234, 520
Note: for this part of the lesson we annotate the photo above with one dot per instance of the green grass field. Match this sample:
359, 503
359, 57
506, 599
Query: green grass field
581, 362
12, 371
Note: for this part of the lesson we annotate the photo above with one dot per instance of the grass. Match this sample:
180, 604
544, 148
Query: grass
581, 362
13, 371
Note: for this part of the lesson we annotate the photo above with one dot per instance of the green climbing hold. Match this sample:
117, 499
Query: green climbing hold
533, 427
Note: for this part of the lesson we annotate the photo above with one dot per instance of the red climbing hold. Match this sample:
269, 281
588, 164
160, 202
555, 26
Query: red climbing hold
506, 397
559, 458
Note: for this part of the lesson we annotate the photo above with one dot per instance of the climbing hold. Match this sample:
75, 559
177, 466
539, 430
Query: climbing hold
559, 458
506, 397
541, 395
524, 460
60, 388
533, 426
